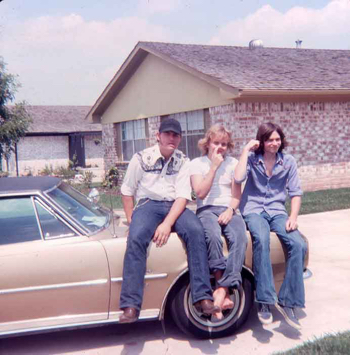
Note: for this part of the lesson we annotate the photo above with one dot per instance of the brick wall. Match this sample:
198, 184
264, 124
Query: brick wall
110, 139
34, 153
318, 134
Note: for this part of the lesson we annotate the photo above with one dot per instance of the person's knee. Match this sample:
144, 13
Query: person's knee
214, 241
299, 246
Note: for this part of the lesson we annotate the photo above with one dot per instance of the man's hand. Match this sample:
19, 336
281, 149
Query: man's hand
216, 158
252, 145
225, 217
291, 224
162, 234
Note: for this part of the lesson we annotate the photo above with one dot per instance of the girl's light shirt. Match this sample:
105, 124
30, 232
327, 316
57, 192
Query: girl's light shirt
220, 193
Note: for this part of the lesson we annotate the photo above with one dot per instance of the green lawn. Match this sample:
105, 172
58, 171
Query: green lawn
324, 200
331, 344
313, 202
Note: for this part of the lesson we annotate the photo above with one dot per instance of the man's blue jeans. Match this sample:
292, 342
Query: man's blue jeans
146, 217
236, 238
292, 293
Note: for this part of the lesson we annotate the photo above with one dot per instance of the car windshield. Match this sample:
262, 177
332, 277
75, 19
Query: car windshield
80, 207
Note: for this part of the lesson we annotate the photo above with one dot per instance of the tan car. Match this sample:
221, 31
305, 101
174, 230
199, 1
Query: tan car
61, 259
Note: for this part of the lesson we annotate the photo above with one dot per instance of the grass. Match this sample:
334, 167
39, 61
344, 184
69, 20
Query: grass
335, 344
324, 200
313, 202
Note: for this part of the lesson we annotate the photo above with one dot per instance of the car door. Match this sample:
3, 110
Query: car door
51, 275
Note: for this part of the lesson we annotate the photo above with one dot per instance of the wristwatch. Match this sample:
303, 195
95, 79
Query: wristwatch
231, 208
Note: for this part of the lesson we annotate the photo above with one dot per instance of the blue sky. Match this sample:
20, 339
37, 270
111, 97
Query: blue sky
66, 51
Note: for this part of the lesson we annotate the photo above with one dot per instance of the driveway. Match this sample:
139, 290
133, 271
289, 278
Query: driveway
327, 311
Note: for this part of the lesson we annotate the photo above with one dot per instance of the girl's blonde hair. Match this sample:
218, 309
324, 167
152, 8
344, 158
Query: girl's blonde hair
214, 130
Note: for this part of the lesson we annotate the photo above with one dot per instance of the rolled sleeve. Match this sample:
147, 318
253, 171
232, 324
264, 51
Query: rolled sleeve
183, 184
294, 186
132, 177
240, 181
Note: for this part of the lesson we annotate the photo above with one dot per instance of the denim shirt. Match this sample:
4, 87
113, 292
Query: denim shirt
269, 194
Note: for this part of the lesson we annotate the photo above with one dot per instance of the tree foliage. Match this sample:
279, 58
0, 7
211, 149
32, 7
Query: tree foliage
14, 120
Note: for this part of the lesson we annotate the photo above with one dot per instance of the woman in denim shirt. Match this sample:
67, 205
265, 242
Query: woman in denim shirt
271, 176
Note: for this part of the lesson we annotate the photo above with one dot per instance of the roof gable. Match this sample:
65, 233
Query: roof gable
159, 88
239, 69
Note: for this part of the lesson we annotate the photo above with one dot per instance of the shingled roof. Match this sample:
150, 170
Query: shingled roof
241, 71
60, 119
262, 68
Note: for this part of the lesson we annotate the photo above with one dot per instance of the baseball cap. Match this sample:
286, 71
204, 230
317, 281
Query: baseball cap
170, 125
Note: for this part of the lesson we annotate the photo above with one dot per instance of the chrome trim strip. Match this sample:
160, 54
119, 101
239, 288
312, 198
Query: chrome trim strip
68, 326
147, 277
53, 287
37, 218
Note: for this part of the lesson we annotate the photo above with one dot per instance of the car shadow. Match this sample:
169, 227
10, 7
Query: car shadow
137, 338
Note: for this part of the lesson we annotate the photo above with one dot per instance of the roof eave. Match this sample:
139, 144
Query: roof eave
126, 70
293, 92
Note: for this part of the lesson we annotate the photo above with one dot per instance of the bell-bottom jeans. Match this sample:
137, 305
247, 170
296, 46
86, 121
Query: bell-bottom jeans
292, 293
236, 238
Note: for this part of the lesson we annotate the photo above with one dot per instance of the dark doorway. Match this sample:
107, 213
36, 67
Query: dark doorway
77, 150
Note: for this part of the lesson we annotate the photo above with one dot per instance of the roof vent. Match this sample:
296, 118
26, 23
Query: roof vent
298, 43
256, 43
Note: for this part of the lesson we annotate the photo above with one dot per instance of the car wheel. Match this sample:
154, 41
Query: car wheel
193, 322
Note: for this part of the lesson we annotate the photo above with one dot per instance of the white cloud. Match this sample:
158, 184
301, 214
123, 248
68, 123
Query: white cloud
151, 7
328, 27
67, 60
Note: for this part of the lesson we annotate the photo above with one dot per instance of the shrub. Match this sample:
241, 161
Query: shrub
48, 170
65, 172
111, 179
87, 178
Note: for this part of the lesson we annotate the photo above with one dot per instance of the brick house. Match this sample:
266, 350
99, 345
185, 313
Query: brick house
57, 135
306, 91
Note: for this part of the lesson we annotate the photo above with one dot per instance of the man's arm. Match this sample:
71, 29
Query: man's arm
241, 168
162, 233
128, 205
129, 187
291, 223
202, 184
226, 216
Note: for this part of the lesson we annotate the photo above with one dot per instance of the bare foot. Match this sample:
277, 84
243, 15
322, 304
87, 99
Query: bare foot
219, 296
228, 303
217, 317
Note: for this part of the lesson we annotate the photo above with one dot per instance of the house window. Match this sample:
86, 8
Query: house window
192, 125
133, 138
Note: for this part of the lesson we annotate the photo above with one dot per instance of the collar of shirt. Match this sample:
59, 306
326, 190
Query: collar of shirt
259, 159
153, 156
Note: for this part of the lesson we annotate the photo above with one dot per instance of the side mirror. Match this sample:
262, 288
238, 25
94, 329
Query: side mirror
94, 196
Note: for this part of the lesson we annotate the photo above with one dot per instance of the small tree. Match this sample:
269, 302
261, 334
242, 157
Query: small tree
14, 120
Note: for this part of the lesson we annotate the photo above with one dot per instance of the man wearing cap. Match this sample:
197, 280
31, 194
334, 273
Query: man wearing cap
158, 179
